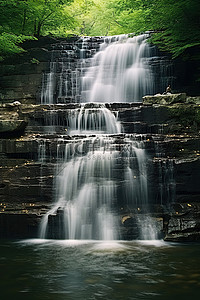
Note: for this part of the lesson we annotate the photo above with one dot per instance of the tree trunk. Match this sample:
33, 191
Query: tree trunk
37, 28
24, 21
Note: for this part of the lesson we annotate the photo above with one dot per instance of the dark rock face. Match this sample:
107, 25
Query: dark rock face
184, 222
21, 75
27, 181
21, 81
18, 225
168, 125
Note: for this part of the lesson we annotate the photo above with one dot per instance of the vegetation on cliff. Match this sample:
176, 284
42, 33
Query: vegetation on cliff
176, 23
29, 19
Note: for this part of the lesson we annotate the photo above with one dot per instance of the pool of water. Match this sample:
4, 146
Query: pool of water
62, 270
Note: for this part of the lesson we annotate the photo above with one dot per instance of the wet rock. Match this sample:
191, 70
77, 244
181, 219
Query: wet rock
193, 100
183, 237
129, 228
27, 225
56, 224
184, 223
12, 126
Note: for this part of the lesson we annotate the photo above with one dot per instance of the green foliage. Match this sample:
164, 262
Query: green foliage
176, 23
35, 61
25, 19
34, 17
9, 44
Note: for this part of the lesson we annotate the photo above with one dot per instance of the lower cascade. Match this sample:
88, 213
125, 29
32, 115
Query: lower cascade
94, 174
102, 184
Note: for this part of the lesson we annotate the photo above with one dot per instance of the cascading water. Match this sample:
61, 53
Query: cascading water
105, 69
48, 85
96, 119
98, 174
88, 190
85, 195
120, 72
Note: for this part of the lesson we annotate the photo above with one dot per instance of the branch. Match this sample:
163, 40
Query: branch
42, 21
118, 23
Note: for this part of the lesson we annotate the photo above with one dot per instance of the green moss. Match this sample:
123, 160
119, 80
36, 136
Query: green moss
186, 115
35, 61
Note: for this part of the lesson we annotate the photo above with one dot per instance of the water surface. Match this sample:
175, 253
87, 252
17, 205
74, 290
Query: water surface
62, 270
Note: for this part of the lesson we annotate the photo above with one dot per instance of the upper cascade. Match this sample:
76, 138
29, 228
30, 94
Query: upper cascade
105, 69
120, 71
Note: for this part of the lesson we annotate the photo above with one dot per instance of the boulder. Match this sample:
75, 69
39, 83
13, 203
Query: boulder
184, 222
12, 126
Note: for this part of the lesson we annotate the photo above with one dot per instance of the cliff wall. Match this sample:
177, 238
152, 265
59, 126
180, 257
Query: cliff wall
27, 180
169, 126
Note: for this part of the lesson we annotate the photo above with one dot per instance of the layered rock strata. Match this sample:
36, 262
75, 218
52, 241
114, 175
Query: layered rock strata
170, 133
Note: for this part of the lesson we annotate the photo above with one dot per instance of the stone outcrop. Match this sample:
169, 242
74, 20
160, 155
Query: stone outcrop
183, 224
11, 126
165, 99
10, 122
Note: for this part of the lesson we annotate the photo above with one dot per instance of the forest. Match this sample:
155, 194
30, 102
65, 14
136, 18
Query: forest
175, 23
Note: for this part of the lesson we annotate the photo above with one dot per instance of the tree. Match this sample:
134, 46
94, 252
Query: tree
22, 19
175, 23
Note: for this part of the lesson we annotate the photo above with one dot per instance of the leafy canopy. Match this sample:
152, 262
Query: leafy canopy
25, 19
175, 23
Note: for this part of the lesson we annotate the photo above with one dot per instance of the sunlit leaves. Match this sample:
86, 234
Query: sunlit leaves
176, 22
9, 43
21, 19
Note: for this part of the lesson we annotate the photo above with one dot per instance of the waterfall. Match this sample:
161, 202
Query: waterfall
95, 119
119, 72
48, 85
147, 227
105, 69
88, 190
86, 193
102, 174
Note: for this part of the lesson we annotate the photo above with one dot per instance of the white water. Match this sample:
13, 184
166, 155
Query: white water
119, 72
85, 194
148, 227
96, 174
87, 185
48, 86
97, 119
